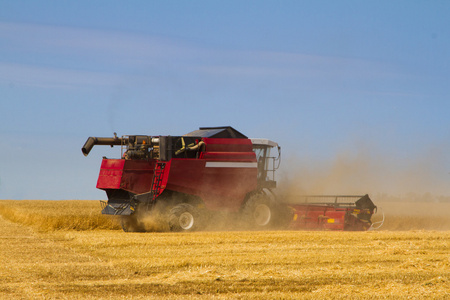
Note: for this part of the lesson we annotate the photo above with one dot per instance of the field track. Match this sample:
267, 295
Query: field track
111, 264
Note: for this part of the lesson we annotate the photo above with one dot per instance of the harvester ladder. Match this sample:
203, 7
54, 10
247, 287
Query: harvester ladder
157, 179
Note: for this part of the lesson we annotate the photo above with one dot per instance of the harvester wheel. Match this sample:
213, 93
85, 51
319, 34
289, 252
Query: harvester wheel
185, 217
262, 212
131, 224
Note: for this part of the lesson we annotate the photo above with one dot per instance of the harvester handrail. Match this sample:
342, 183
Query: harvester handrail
307, 198
332, 196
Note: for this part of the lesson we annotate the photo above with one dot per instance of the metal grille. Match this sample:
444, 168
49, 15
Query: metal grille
332, 200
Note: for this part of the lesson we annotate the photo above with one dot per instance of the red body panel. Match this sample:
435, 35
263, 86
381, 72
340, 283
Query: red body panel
323, 217
110, 176
232, 156
222, 176
228, 145
219, 187
131, 175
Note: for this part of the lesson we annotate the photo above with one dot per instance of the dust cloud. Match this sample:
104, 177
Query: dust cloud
412, 192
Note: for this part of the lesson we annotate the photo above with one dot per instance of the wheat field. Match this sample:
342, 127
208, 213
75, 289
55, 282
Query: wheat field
67, 250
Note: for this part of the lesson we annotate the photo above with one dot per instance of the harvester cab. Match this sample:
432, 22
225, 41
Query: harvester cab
195, 176
267, 163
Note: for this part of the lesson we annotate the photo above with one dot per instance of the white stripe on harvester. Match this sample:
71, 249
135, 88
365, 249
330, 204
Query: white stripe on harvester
220, 164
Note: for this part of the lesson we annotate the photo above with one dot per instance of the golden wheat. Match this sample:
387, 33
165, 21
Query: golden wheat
47, 215
111, 264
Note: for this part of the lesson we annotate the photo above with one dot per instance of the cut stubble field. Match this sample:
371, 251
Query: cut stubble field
45, 256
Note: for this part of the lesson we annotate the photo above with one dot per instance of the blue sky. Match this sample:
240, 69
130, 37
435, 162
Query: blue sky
358, 85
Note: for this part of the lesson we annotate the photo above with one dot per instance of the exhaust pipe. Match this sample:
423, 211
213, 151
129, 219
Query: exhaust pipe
92, 141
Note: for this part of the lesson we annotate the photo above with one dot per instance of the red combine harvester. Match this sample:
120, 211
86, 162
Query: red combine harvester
213, 170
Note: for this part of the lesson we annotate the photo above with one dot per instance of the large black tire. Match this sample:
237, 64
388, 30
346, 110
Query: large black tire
260, 212
131, 224
185, 217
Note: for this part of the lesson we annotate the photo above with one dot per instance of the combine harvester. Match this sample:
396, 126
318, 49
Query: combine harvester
195, 177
